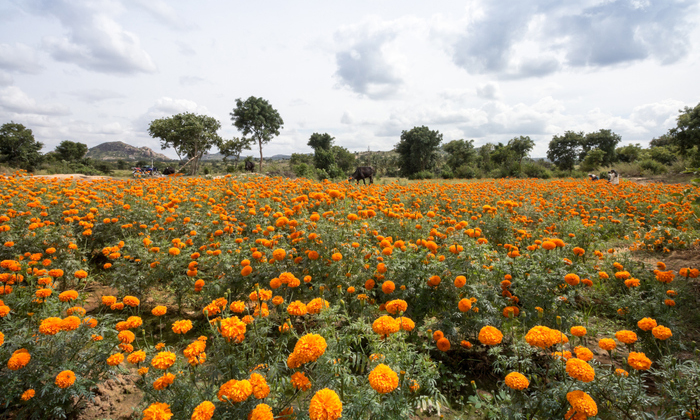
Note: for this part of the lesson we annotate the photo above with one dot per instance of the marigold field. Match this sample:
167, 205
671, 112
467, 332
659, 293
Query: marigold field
261, 298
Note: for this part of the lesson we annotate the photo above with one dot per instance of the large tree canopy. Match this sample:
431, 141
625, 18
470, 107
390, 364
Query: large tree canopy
521, 146
18, 147
686, 134
604, 140
71, 151
564, 150
257, 118
459, 152
191, 135
418, 150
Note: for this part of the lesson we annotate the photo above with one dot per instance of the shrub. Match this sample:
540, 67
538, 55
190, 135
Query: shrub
447, 174
652, 167
421, 175
466, 172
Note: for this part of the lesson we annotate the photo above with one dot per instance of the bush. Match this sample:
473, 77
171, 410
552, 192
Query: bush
652, 167
421, 175
447, 174
466, 172
662, 155
533, 170
303, 170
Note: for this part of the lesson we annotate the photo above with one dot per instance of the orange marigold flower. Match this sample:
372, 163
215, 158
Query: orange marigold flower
582, 403
490, 336
159, 310
607, 344
325, 405
136, 357
261, 412
638, 361
65, 379
383, 379
465, 305
80, 274
134, 321
109, 300
115, 359
126, 337
204, 411
517, 381
131, 301
300, 381
542, 337
181, 327
443, 344
157, 411
297, 308
163, 360
315, 306
260, 388
572, 279
19, 359
50, 326
583, 353
632, 282
460, 281
235, 391
388, 287
396, 306
233, 328
621, 372
385, 325
661, 332
68, 295
406, 324
578, 331
626, 336
28, 395
646, 324
337, 256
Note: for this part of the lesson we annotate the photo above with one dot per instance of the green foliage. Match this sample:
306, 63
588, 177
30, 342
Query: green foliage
323, 159
686, 134
191, 135
628, 153
18, 147
593, 160
257, 118
421, 175
465, 172
535, 170
71, 151
298, 158
447, 174
521, 146
663, 154
459, 152
320, 141
302, 170
652, 167
418, 150
233, 148
344, 159
564, 150
604, 140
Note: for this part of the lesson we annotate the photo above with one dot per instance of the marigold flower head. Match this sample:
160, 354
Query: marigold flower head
582, 403
646, 324
517, 381
308, 349
204, 411
578, 331
235, 391
261, 412
406, 324
134, 321
19, 359
136, 357
626, 336
297, 308
385, 325
542, 337
131, 301
233, 328
621, 372
68, 295
50, 326
490, 336
443, 344
126, 337
638, 361
109, 300
157, 411
572, 279
325, 405
65, 379
460, 281
583, 353
388, 287
396, 306
159, 310
28, 395
182, 327
661, 332
383, 379
115, 359
315, 306
163, 360
465, 305
300, 381
607, 344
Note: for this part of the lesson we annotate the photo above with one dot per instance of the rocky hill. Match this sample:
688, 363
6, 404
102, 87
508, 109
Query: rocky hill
116, 150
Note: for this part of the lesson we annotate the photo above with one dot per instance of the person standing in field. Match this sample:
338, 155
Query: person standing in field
614, 177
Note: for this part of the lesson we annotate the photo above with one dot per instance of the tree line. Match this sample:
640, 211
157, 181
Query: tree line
419, 154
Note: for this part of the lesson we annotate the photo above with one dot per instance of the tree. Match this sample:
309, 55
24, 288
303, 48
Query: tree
418, 150
565, 150
604, 140
459, 152
343, 158
320, 141
628, 153
521, 146
191, 135
258, 118
593, 160
18, 146
71, 151
234, 147
686, 134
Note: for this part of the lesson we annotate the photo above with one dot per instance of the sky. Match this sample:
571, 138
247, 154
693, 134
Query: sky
94, 71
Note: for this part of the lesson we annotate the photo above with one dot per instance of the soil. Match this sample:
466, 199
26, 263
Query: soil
75, 176
115, 399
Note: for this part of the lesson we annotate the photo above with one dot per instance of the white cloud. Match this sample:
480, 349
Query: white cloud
489, 90
6, 79
13, 99
92, 96
19, 58
95, 41
163, 13
660, 114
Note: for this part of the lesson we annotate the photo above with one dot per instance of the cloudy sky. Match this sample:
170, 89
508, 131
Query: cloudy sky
100, 70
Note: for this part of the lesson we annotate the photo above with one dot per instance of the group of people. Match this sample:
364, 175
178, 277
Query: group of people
613, 177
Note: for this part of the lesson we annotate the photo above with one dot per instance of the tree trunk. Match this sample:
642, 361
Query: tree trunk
260, 144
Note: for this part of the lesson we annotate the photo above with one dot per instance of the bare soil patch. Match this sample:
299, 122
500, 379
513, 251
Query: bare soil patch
116, 399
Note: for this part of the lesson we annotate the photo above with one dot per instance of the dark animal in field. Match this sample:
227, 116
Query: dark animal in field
168, 171
249, 166
361, 173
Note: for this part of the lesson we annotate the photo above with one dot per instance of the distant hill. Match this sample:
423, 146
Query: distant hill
116, 150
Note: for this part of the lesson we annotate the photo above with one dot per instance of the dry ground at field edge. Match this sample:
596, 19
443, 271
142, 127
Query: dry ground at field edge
75, 176
116, 399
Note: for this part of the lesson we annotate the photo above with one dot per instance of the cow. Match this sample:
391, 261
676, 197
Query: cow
249, 166
168, 171
361, 173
